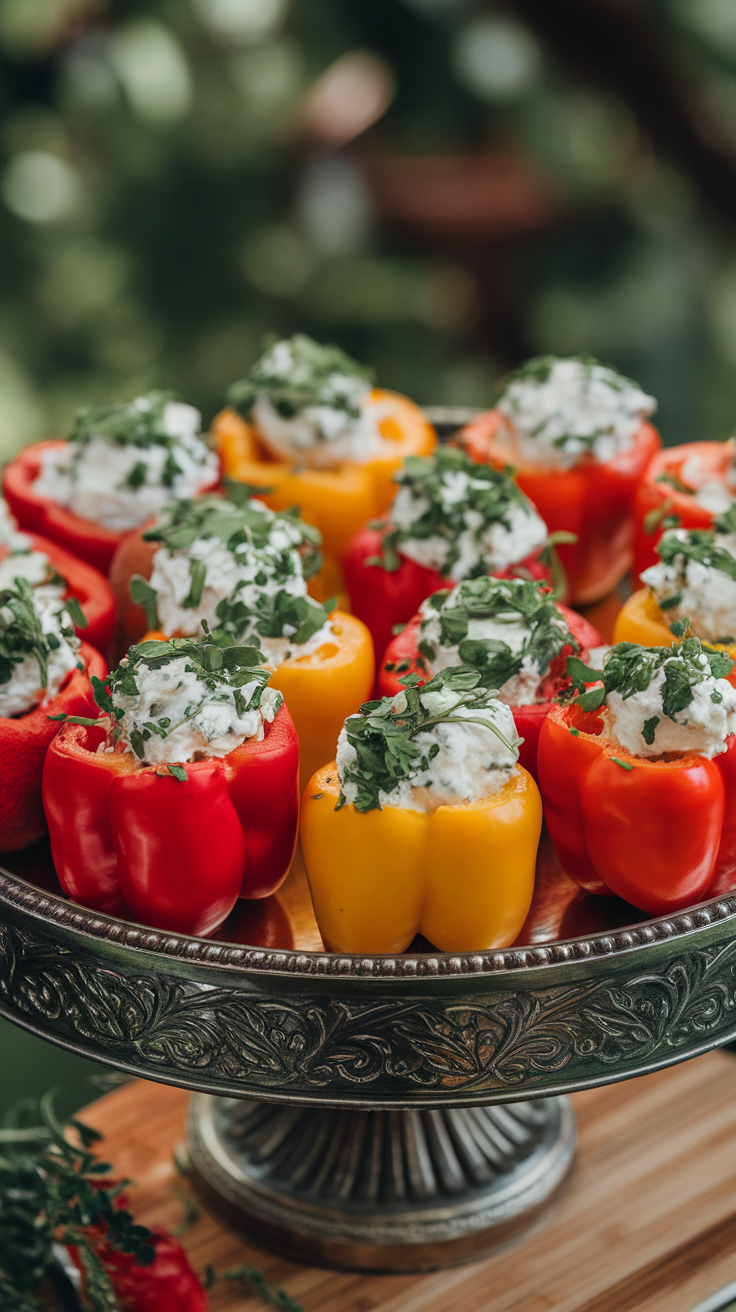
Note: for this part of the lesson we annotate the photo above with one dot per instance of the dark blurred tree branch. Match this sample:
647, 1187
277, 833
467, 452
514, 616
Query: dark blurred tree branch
617, 46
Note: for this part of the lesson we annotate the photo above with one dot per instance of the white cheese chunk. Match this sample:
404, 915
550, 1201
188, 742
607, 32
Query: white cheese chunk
707, 595
702, 727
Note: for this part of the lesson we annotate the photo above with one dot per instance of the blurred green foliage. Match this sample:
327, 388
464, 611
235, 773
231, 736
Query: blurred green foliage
164, 202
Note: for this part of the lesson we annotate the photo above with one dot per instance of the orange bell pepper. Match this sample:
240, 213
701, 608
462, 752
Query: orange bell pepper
462, 876
337, 500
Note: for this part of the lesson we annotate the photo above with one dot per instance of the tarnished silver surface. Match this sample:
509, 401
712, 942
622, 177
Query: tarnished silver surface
427, 1030
398, 1190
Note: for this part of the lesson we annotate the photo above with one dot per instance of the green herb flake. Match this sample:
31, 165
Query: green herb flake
649, 727
625, 765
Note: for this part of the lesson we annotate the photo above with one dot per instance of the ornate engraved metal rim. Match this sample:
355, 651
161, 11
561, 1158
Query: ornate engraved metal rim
16, 892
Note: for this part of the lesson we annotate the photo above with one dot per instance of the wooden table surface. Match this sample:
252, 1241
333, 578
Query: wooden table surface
647, 1223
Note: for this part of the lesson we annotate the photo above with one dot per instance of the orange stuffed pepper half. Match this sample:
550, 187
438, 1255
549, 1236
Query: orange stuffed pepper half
307, 426
239, 570
578, 437
424, 824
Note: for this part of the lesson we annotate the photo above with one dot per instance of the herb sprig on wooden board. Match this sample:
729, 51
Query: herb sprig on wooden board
629, 669
305, 374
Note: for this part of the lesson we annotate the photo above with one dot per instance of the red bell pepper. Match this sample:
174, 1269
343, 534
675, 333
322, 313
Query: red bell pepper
594, 499
87, 584
665, 496
36, 514
167, 1284
24, 741
651, 831
176, 853
382, 598
403, 655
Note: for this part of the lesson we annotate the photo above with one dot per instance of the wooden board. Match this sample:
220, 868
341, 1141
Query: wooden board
647, 1223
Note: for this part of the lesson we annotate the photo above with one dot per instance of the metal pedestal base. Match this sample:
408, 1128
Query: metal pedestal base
380, 1190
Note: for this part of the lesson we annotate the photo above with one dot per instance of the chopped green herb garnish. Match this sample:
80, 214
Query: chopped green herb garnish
625, 765
629, 668
300, 372
22, 634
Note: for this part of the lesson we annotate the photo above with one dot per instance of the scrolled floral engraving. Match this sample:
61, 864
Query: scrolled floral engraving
250, 1041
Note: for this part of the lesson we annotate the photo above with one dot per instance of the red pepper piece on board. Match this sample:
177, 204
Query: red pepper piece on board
383, 598
404, 656
24, 741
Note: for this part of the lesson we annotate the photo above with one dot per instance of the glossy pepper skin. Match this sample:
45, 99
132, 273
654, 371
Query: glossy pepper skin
323, 688
594, 499
651, 831
663, 492
36, 514
463, 876
24, 741
132, 839
642, 620
87, 584
403, 652
337, 500
383, 598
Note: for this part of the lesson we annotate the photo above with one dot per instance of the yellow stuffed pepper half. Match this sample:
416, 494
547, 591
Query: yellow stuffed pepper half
693, 585
425, 823
233, 567
307, 426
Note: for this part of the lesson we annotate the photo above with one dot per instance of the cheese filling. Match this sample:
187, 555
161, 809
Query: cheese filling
441, 745
506, 628
122, 465
459, 518
310, 404
38, 647
696, 579
558, 411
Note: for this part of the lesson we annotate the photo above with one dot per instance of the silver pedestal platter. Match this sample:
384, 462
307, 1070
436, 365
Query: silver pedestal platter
391, 1113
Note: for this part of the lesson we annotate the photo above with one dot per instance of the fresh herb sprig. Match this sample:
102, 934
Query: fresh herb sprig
506, 601
429, 480
270, 616
384, 732
313, 375
700, 545
629, 669
53, 1192
21, 630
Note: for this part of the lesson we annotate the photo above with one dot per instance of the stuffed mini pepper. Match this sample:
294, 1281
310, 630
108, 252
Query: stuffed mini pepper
182, 795
119, 467
44, 671
452, 519
240, 568
693, 583
577, 434
684, 486
638, 774
510, 630
44, 563
426, 823
307, 426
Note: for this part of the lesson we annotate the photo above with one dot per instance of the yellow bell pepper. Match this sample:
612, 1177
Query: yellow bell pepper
323, 688
463, 876
338, 501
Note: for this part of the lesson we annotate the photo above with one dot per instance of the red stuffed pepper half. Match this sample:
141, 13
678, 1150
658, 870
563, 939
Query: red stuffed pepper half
183, 794
44, 672
512, 631
577, 435
120, 466
452, 519
684, 486
42, 562
638, 774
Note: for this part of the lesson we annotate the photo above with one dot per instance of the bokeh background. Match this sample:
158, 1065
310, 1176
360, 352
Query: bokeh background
441, 186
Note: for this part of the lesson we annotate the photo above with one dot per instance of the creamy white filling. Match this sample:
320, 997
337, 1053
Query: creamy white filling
714, 497
708, 596
201, 720
23, 690
594, 409
9, 534
702, 727
521, 689
472, 762
496, 547
30, 565
251, 571
319, 436
90, 480
278, 650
